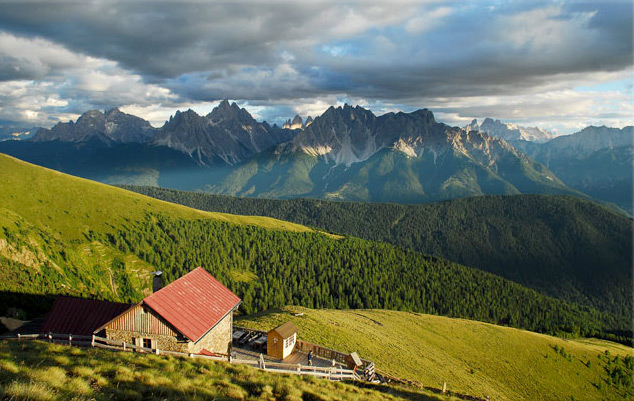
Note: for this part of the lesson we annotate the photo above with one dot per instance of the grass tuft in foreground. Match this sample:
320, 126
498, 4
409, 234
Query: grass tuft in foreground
41, 371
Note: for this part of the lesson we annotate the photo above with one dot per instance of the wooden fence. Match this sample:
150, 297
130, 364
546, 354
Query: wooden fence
324, 352
332, 373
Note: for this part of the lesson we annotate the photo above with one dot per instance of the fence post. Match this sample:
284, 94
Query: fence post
157, 351
124, 345
19, 337
299, 368
92, 343
444, 387
50, 337
70, 339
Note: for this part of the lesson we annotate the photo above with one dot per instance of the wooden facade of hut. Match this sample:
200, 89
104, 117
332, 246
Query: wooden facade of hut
193, 314
281, 340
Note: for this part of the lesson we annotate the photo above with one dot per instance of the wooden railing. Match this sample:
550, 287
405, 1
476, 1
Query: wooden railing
326, 353
101, 342
332, 373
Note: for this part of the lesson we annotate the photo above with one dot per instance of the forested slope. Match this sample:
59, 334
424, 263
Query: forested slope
562, 246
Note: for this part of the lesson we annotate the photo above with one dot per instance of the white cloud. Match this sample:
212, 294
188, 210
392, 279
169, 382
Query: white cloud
426, 20
64, 84
545, 29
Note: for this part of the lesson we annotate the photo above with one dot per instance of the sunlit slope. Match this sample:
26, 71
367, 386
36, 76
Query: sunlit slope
68, 206
54, 235
41, 371
471, 357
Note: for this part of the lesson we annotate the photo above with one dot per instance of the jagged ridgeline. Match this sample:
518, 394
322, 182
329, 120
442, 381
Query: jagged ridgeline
61, 234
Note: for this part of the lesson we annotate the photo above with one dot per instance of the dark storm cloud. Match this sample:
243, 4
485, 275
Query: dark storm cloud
471, 49
163, 39
280, 52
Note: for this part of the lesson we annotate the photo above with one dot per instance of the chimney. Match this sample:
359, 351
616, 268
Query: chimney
157, 281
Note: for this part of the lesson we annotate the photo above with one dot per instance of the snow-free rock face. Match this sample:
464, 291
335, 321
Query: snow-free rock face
348, 153
348, 135
296, 123
111, 126
227, 135
510, 132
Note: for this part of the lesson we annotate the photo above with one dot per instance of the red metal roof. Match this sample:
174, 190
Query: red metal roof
194, 303
80, 316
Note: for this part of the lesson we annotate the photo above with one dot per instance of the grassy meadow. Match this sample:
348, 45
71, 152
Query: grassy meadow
472, 357
70, 206
41, 372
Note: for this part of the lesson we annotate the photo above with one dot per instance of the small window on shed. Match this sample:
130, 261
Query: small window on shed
147, 343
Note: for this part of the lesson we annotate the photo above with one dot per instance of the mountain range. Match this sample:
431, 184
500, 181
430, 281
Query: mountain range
347, 153
510, 132
596, 161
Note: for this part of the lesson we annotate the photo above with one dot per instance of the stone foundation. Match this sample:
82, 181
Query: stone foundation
162, 342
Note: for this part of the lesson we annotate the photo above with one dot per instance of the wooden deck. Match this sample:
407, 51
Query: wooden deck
297, 357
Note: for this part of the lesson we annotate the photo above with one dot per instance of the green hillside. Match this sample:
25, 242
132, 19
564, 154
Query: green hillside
48, 221
68, 207
66, 235
41, 372
562, 246
471, 357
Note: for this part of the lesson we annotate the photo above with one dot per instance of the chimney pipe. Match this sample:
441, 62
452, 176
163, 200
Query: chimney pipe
157, 281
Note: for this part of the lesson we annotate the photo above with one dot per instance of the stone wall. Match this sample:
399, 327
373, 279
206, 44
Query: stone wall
217, 340
162, 342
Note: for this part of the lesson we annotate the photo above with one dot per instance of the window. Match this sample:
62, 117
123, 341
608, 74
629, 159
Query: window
289, 342
147, 343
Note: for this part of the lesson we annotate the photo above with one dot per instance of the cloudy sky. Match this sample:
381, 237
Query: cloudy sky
561, 65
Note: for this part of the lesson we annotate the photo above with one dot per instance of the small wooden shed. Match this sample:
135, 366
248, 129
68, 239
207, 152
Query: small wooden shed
353, 361
281, 341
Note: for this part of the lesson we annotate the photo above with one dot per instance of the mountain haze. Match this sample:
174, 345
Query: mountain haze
510, 132
596, 160
111, 126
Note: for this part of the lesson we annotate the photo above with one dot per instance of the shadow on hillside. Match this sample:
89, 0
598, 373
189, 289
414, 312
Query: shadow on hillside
25, 306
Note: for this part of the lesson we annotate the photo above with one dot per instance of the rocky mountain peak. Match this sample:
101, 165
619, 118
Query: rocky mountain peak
510, 132
472, 126
90, 117
111, 126
297, 122
225, 111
